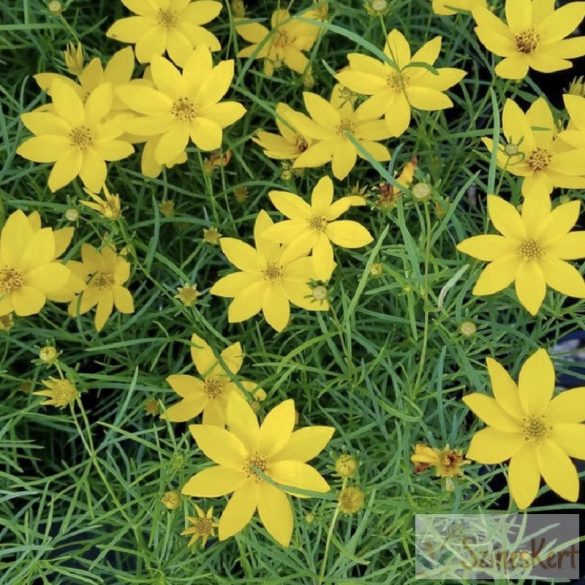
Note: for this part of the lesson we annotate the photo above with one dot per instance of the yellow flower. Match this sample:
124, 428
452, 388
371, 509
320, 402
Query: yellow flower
171, 500
534, 36
447, 462
283, 45
202, 526
30, 273
48, 354
211, 235
107, 273
537, 432
247, 449
346, 465
188, 294
183, 106
330, 126
290, 144
173, 26
534, 152
268, 281
451, 7
402, 84
74, 58
211, 394
388, 195
108, 206
59, 392
532, 250
313, 227
351, 500
574, 135
76, 137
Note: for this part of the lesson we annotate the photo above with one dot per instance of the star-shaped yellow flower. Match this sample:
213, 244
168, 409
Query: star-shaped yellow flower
533, 36
532, 251
534, 152
247, 450
268, 281
402, 84
209, 395
173, 26
574, 135
536, 431
313, 227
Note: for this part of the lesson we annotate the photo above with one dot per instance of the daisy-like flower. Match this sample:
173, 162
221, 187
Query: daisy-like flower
289, 144
76, 137
30, 272
173, 26
211, 393
447, 462
268, 281
314, 227
574, 135
536, 431
183, 107
202, 527
533, 36
331, 125
108, 206
534, 152
59, 392
451, 7
283, 45
247, 450
398, 87
532, 251
105, 272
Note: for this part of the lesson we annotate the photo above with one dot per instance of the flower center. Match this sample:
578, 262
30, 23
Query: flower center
254, 462
103, 280
81, 137
213, 388
273, 272
10, 280
530, 249
397, 82
63, 392
535, 428
301, 144
184, 109
527, 41
539, 159
203, 526
281, 40
318, 223
346, 125
168, 18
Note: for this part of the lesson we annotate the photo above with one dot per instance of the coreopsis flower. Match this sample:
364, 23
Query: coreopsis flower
574, 135
76, 137
283, 45
447, 462
188, 294
30, 272
108, 206
248, 450
533, 36
314, 227
105, 272
183, 106
58, 391
268, 280
74, 58
211, 236
202, 527
210, 393
396, 89
537, 431
173, 26
534, 152
331, 125
531, 251
49, 354
351, 500
451, 7
289, 144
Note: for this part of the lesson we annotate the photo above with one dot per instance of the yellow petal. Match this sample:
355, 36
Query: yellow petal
202, 355
535, 211
247, 303
297, 474
276, 429
559, 222
242, 420
15, 237
323, 258
536, 383
216, 84
504, 388
361, 81
524, 476
348, 234
28, 301
184, 410
487, 247
513, 67
530, 286
305, 444
569, 247
490, 412
44, 149
186, 386
563, 277
397, 118
233, 357
506, 218
497, 276
558, 470
225, 114
567, 407
290, 205
104, 309
276, 308
123, 300
171, 145
239, 510
561, 22
322, 196
428, 99
241, 255
519, 15
253, 32
275, 512
232, 284
493, 446
67, 167
397, 49
321, 110
99, 103
153, 42
130, 29
316, 155
67, 103
214, 482
45, 123
145, 100
48, 278
221, 446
